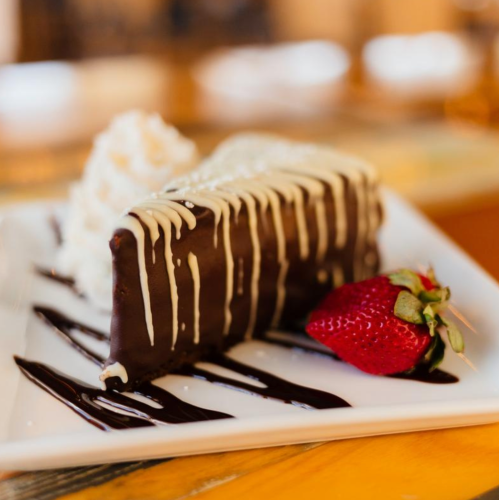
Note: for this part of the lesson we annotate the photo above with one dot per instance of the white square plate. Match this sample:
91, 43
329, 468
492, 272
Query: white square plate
37, 431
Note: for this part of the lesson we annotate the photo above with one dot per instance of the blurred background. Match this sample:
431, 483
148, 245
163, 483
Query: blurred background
412, 85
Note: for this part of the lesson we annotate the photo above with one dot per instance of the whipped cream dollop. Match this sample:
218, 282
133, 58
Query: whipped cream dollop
137, 155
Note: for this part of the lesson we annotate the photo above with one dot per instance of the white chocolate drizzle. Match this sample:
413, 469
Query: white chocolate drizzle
114, 370
170, 269
134, 226
194, 267
255, 273
256, 171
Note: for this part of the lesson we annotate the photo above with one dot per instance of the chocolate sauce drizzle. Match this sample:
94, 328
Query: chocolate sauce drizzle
51, 274
66, 328
275, 388
422, 373
87, 401
80, 397
84, 400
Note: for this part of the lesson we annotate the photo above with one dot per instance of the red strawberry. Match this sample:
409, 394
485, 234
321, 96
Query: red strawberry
387, 324
426, 282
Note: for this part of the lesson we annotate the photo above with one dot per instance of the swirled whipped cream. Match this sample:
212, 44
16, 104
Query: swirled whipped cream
137, 155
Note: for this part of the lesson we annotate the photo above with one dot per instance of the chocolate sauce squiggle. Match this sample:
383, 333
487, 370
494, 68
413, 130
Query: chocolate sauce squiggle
275, 388
51, 274
78, 396
66, 327
87, 401
84, 400
423, 374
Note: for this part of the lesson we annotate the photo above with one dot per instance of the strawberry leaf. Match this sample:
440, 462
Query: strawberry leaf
454, 335
408, 279
409, 308
435, 353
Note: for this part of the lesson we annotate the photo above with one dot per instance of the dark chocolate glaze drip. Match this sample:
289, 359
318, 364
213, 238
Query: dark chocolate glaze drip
275, 388
423, 374
51, 274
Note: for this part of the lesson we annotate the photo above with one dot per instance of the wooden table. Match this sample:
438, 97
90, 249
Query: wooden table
446, 465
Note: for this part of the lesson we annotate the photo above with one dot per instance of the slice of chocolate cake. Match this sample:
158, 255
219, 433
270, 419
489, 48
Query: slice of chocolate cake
252, 239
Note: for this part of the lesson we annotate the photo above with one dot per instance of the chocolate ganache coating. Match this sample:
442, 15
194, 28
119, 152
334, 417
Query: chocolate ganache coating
219, 259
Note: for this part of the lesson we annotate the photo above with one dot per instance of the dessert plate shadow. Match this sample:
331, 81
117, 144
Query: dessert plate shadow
37, 431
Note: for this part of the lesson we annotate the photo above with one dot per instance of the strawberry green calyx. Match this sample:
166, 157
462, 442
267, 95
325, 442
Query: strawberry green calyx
409, 279
409, 308
420, 305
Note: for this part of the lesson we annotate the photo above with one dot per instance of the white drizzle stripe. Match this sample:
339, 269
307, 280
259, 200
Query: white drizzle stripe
315, 190
172, 214
185, 213
360, 174
229, 260
114, 370
301, 223
333, 179
194, 267
293, 194
230, 198
170, 269
134, 226
146, 216
201, 201
255, 273
267, 196
165, 215
275, 206
341, 214
217, 202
